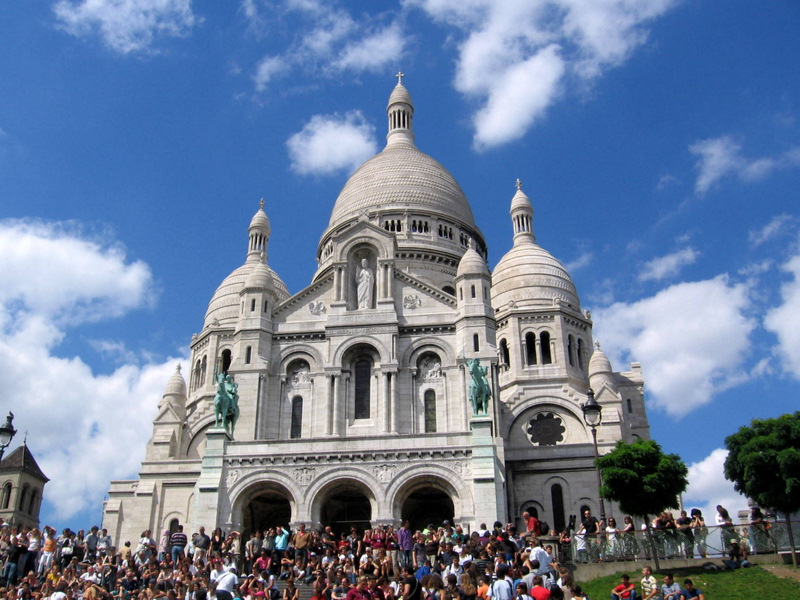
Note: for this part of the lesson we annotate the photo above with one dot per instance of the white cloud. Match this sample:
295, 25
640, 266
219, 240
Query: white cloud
327, 39
127, 25
56, 278
777, 225
267, 68
692, 338
371, 53
669, 265
708, 487
517, 57
584, 260
330, 143
784, 320
721, 157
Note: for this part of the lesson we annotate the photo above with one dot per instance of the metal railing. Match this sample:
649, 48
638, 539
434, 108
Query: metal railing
712, 541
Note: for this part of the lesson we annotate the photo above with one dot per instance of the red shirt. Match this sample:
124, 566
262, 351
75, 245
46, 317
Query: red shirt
540, 593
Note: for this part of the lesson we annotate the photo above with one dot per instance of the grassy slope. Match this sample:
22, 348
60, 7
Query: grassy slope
743, 584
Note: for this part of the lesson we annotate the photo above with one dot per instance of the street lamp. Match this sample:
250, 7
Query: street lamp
7, 432
592, 415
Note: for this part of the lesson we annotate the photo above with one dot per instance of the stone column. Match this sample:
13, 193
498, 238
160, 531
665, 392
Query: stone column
337, 405
393, 399
385, 408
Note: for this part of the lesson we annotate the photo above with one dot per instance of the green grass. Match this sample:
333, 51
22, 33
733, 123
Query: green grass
742, 584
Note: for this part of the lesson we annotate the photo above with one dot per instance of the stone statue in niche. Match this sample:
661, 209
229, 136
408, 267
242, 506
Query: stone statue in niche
431, 368
365, 282
301, 376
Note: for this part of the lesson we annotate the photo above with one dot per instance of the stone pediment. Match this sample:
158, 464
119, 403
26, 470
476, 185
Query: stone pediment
308, 304
416, 295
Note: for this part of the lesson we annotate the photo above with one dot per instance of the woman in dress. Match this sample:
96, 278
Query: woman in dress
612, 540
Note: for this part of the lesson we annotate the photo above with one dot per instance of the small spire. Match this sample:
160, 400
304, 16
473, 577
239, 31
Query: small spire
519, 183
178, 368
597, 345
261, 203
400, 76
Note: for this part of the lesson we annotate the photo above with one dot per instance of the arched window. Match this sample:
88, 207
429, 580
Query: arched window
296, 429
504, 353
6, 496
363, 373
253, 305
266, 305
476, 343
544, 342
226, 360
460, 293
34, 499
580, 354
473, 291
557, 498
203, 372
630, 406
248, 352
430, 411
449, 289
530, 349
23, 498
196, 375
571, 350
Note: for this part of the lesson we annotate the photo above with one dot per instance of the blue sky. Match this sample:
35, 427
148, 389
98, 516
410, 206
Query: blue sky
658, 141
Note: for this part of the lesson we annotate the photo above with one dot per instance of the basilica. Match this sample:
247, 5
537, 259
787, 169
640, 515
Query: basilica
354, 401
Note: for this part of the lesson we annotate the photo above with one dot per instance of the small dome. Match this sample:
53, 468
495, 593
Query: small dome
224, 307
472, 263
530, 276
399, 94
260, 278
520, 201
176, 386
260, 220
599, 363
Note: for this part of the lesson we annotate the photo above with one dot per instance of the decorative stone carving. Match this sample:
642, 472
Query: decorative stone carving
233, 477
304, 475
412, 301
430, 368
384, 473
301, 378
316, 308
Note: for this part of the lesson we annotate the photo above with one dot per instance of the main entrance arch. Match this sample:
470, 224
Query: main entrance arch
342, 504
424, 500
263, 505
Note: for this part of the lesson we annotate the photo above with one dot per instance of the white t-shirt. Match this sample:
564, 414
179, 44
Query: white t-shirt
502, 589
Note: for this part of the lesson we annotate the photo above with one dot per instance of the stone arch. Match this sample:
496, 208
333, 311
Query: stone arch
380, 245
264, 494
342, 497
362, 340
430, 476
411, 355
194, 447
168, 518
295, 351
561, 406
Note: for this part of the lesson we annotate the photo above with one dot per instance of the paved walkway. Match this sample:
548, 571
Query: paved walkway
783, 571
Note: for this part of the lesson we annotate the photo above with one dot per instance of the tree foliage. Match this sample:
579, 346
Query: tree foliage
641, 478
764, 462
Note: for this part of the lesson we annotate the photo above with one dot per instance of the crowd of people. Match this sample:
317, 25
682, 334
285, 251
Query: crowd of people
431, 563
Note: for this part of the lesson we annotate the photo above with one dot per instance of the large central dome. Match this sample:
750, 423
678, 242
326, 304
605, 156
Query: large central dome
402, 178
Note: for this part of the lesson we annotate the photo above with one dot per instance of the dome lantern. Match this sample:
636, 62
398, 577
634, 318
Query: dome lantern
400, 111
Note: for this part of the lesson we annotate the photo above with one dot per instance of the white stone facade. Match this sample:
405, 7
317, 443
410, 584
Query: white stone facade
353, 396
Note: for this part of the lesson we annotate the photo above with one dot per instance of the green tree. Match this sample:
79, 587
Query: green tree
642, 479
764, 464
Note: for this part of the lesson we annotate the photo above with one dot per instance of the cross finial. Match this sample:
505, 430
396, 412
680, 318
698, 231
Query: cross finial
400, 76
261, 204
178, 368
597, 345
519, 183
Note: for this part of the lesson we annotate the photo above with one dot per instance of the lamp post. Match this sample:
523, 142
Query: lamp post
592, 415
7, 432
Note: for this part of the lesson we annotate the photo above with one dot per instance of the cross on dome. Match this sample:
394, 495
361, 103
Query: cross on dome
261, 204
519, 183
400, 76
